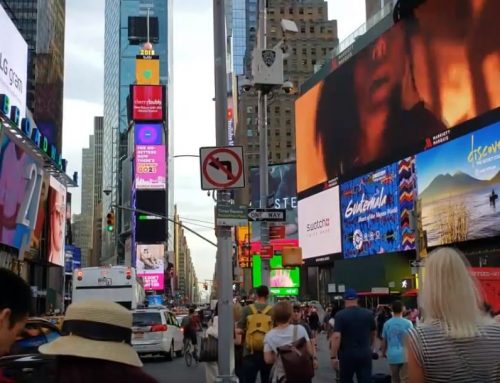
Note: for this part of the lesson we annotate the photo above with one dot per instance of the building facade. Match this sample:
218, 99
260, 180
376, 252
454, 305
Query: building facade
42, 24
125, 32
185, 281
316, 38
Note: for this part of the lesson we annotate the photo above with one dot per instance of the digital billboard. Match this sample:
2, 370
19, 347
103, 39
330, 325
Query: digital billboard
375, 211
150, 167
36, 236
147, 102
459, 184
150, 228
150, 266
57, 217
13, 63
283, 192
147, 70
148, 134
416, 80
283, 282
21, 179
319, 224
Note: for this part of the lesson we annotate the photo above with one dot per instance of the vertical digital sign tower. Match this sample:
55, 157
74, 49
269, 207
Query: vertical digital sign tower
149, 184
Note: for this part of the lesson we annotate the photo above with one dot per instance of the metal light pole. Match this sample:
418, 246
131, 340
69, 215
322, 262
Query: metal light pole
263, 153
224, 245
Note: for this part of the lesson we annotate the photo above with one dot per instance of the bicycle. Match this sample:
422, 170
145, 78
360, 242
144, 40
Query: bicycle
189, 352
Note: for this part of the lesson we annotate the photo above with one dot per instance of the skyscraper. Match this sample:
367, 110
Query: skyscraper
42, 24
307, 49
125, 32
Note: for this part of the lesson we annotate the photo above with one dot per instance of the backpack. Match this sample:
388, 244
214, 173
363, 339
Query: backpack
297, 364
259, 323
187, 323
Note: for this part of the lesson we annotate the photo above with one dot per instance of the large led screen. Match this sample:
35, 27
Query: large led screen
375, 211
417, 79
150, 266
21, 179
57, 217
148, 134
13, 63
283, 282
319, 224
282, 188
150, 228
459, 184
147, 102
150, 167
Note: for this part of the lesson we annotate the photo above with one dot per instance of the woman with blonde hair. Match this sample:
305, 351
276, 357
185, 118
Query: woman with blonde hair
457, 341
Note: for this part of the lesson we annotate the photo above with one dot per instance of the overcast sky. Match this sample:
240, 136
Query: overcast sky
194, 117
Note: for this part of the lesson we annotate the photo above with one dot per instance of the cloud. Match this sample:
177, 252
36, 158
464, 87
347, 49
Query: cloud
84, 50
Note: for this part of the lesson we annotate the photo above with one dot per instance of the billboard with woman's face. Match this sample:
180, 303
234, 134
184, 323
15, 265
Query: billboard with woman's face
57, 219
20, 188
416, 80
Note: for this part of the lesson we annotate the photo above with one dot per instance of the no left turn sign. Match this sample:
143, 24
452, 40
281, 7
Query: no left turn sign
222, 168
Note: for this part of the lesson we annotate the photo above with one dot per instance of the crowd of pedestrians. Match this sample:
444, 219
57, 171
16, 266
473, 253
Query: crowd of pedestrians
451, 338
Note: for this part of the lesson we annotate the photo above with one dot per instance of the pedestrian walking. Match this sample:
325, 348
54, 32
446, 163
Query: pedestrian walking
352, 341
297, 320
15, 299
212, 368
95, 346
393, 337
457, 341
254, 324
286, 334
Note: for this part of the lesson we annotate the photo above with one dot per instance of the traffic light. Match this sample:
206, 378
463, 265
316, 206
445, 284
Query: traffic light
205, 286
110, 221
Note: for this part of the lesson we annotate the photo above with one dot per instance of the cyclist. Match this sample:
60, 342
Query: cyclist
190, 327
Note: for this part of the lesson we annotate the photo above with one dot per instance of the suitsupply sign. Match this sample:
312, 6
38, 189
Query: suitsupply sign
375, 211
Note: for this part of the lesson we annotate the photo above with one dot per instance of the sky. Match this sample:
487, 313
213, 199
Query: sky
194, 110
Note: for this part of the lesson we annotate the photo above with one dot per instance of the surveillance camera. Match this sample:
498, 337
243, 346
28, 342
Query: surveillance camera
288, 87
107, 192
246, 85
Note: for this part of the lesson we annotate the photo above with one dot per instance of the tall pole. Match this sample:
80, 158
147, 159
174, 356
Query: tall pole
263, 154
224, 243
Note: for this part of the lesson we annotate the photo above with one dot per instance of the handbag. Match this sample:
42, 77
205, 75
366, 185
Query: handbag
209, 349
297, 362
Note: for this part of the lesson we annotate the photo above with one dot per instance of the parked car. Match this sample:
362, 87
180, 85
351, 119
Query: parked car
156, 331
27, 368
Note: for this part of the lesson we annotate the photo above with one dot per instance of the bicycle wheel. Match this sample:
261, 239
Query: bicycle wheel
188, 357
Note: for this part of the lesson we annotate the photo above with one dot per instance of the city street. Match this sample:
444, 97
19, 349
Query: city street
177, 371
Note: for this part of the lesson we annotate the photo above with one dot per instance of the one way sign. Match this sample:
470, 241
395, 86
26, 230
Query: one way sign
268, 215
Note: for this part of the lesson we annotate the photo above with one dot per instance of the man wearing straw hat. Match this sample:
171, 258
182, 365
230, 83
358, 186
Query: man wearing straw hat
95, 345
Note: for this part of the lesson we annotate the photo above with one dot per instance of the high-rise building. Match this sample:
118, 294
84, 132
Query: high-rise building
42, 24
185, 280
85, 242
125, 32
88, 239
374, 6
307, 49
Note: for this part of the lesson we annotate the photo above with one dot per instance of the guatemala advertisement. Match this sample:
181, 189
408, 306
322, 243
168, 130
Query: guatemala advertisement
375, 211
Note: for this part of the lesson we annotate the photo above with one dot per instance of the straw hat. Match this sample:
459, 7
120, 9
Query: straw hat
96, 329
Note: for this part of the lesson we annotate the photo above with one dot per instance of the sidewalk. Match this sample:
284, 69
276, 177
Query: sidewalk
325, 372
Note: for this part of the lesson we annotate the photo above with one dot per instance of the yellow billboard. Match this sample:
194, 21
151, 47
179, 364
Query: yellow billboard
147, 71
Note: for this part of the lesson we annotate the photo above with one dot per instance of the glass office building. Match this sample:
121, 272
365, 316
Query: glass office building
121, 47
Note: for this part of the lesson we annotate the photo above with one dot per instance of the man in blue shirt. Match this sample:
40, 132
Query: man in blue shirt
352, 339
393, 338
